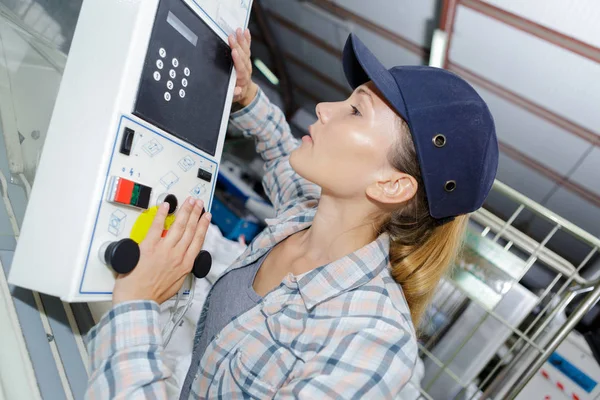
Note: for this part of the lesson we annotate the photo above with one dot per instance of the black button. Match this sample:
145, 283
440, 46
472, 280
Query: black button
122, 256
204, 175
172, 200
127, 141
143, 200
202, 264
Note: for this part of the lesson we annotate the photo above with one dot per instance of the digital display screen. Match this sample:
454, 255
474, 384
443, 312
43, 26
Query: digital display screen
181, 28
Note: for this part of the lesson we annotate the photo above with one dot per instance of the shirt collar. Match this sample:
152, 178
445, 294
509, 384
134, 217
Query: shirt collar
332, 279
345, 274
292, 221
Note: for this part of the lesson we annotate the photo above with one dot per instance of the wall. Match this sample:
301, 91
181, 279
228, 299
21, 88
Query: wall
312, 35
536, 63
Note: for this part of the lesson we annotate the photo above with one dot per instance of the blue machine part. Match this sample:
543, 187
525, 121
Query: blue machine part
231, 223
572, 372
234, 185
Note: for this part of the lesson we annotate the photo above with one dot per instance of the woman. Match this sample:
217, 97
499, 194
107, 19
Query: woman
324, 303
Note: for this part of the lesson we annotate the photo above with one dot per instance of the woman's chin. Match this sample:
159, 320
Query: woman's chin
299, 161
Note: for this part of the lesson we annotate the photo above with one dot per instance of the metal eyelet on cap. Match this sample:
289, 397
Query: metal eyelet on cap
450, 186
439, 140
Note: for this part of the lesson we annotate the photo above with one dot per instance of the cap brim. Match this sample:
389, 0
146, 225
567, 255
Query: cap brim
361, 66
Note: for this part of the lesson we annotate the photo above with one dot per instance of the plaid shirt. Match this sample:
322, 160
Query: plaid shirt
341, 331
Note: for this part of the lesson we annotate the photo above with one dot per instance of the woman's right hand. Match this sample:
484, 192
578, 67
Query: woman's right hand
245, 88
165, 261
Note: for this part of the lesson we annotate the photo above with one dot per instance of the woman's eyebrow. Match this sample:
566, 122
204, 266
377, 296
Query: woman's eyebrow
364, 92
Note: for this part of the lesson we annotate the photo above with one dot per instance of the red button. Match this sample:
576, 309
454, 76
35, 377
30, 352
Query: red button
545, 374
575, 397
560, 386
124, 191
546, 397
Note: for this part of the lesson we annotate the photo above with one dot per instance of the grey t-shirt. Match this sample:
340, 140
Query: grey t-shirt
231, 296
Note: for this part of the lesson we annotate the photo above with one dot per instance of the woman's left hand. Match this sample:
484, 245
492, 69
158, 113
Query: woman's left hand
165, 262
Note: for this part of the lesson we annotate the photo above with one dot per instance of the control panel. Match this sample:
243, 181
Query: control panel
140, 119
147, 167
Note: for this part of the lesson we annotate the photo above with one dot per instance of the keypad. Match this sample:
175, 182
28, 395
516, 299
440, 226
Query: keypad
172, 83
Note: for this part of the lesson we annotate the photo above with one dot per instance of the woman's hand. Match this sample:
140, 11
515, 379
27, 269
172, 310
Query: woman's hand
245, 89
165, 262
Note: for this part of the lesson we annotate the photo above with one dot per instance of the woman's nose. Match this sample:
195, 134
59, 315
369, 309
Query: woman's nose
323, 112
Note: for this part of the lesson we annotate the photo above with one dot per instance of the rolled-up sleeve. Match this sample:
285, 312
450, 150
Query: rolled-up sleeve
265, 122
126, 351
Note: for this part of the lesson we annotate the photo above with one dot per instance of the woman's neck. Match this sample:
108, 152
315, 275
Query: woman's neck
340, 227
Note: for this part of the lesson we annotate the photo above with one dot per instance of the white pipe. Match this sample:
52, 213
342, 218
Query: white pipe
15, 342
9, 117
260, 209
547, 214
26, 184
36, 296
439, 42
7, 204
527, 243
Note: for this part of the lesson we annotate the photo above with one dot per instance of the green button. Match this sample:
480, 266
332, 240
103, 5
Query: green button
135, 194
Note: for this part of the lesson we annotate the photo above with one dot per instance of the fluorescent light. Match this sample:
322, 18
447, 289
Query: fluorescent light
266, 71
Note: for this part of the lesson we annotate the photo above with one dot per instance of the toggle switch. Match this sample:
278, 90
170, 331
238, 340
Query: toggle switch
124, 191
122, 256
204, 175
168, 198
127, 141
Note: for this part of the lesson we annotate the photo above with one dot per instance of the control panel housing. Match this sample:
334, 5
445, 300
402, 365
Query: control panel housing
140, 117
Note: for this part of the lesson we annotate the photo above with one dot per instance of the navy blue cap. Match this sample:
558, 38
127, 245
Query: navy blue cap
451, 126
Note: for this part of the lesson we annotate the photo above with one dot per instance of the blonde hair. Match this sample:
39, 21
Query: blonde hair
421, 248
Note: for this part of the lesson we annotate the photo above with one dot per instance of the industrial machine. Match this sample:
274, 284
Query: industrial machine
140, 119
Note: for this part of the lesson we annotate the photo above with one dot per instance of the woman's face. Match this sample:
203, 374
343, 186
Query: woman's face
347, 150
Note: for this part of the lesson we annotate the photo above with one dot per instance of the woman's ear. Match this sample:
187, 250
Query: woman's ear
397, 190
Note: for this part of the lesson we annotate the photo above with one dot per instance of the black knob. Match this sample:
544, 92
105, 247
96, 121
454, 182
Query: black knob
122, 256
170, 199
202, 264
